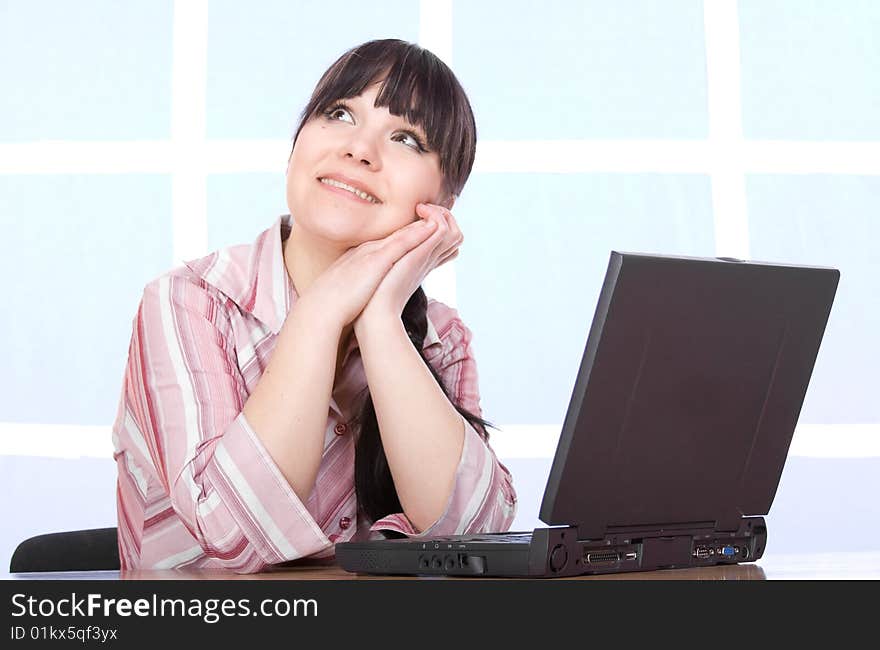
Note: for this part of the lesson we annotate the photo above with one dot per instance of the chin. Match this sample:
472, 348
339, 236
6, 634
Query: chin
335, 226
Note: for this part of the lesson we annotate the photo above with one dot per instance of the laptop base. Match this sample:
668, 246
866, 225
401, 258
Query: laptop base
556, 552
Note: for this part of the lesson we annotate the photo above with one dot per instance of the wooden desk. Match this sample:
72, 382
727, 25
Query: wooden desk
745, 572
821, 566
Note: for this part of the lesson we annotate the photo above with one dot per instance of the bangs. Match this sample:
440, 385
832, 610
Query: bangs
415, 85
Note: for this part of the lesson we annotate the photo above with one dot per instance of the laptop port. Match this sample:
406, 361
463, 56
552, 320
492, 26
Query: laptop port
472, 564
702, 552
603, 556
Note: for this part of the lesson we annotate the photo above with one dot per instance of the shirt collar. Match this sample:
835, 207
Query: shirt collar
254, 277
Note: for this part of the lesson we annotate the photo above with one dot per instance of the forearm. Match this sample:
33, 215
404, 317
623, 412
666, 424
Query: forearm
288, 407
421, 431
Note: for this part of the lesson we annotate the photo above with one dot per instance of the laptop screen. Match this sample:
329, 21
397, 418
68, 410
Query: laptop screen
688, 393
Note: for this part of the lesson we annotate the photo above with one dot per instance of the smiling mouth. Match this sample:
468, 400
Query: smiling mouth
332, 182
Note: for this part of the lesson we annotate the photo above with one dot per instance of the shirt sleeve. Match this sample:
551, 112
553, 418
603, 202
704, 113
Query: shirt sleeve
183, 399
483, 498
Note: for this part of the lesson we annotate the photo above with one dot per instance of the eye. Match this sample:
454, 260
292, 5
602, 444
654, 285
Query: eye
340, 113
410, 139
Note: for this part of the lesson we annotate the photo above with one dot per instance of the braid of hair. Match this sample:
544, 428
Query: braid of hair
374, 486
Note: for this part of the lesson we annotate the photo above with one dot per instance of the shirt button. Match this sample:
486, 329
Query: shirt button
344, 523
333, 538
340, 428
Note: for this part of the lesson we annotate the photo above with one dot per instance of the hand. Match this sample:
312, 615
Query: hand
408, 272
343, 290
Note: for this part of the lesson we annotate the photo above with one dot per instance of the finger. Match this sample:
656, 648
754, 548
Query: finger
430, 249
447, 230
430, 210
452, 232
446, 258
453, 238
453, 226
405, 239
457, 235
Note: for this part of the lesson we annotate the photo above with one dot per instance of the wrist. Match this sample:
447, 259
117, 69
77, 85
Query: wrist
315, 317
381, 322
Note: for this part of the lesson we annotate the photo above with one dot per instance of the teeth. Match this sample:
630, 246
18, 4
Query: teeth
363, 195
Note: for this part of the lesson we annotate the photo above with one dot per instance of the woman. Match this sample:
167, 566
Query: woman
283, 396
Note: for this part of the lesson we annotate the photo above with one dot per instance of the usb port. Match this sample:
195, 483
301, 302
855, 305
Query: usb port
631, 556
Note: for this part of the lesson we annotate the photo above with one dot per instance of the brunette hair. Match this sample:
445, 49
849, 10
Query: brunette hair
418, 86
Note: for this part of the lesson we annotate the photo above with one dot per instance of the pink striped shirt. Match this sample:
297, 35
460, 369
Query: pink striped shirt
196, 488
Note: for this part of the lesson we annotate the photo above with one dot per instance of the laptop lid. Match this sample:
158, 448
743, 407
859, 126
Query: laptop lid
688, 392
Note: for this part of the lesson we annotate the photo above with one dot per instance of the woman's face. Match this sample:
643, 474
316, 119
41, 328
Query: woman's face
356, 145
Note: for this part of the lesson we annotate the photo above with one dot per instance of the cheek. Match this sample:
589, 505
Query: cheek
416, 185
301, 165
293, 185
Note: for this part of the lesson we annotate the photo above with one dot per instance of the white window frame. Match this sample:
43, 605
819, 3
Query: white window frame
189, 157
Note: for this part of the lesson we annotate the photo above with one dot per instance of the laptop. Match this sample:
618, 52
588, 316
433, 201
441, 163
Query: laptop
678, 427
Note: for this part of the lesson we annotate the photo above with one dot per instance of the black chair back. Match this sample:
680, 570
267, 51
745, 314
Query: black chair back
78, 550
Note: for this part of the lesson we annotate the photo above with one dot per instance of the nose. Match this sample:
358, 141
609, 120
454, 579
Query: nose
362, 148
